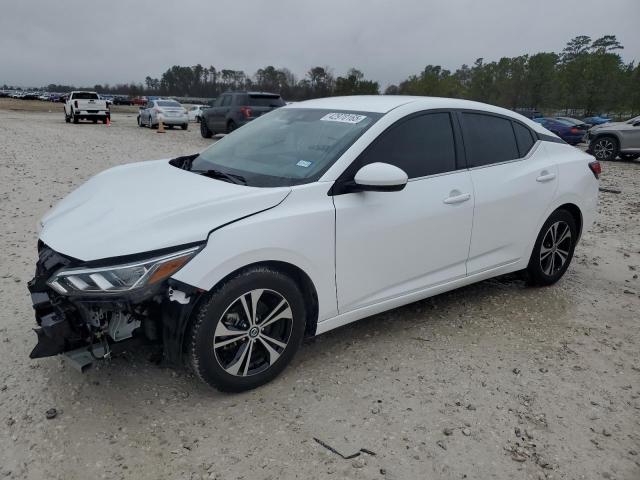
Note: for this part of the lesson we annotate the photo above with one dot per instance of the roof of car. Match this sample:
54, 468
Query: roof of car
386, 103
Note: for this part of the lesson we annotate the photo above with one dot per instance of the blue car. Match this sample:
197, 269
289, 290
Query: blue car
597, 120
566, 130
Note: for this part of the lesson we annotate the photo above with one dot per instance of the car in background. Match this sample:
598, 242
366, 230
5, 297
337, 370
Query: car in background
597, 120
121, 100
44, 97
107, 98
55, 97
169, 112
82, 105
195, 112
613, 139
578, 123
3, 93
234, 109
566, 130
139, 101
530, 113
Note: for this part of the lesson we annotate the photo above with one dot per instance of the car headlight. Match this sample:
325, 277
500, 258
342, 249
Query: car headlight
119, 278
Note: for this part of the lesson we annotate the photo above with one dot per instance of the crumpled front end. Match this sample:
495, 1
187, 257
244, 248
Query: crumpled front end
87, 328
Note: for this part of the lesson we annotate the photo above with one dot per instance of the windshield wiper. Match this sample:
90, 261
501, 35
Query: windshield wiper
229, 177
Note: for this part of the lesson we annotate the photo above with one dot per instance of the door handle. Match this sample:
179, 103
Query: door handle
457, 199
545, 177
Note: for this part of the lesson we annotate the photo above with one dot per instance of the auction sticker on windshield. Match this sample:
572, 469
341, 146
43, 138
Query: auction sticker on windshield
343, 117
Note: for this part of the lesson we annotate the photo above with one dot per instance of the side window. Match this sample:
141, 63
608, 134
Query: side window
524, 138
226, 100
488, 139
241, 100
422, 145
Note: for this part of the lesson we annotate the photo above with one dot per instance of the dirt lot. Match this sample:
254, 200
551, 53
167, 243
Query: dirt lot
495, 380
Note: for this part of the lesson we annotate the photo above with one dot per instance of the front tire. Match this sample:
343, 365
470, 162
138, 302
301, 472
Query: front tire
204, 129
605, 148
184, 126
247, 330
553, 250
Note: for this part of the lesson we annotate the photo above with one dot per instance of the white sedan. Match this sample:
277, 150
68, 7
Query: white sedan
316, 215
195, 112
169, 112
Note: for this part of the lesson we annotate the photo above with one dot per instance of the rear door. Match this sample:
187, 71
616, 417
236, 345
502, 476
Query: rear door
514, 182
389, 244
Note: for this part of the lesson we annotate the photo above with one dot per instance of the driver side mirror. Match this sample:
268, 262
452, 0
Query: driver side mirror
379, 177
636, 124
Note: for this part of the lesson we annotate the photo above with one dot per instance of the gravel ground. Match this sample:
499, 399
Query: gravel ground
495, 380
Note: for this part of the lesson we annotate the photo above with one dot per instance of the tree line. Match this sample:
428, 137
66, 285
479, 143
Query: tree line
587, 75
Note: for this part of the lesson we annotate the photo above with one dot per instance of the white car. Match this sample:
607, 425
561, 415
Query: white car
316, 215
195, 112
86, 106
169, 112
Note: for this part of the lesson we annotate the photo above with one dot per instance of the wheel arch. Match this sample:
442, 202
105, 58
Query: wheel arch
575, 212
609, 133
302, 279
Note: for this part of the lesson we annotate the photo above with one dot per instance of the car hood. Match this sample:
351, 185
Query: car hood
147, 206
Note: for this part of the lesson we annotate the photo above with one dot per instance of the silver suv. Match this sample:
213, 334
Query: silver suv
610, 140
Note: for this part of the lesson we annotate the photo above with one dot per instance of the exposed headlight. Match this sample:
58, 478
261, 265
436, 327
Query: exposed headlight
120, 278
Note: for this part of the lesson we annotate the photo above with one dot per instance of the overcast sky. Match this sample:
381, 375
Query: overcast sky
85, 42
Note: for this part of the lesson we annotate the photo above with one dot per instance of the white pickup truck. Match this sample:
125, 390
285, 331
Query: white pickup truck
86, 105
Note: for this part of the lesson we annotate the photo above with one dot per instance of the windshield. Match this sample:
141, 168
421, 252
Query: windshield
287, 146
168, 103
634, 119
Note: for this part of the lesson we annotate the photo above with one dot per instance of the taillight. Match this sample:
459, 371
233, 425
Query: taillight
76, 103
595, 168
574, 130
246, 111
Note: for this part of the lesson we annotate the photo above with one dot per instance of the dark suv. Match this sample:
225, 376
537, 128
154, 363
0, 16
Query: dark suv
232, 110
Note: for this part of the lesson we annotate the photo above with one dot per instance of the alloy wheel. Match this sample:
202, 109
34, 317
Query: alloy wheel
603, 148
555, 248
253, 332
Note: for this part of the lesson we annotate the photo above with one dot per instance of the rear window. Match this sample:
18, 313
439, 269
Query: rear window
488, 139
265, 101
85, 96
168, 103
524, 137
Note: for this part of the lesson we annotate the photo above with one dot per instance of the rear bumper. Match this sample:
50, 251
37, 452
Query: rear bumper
173, 120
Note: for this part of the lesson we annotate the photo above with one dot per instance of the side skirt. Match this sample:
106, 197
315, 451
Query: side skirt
357, 314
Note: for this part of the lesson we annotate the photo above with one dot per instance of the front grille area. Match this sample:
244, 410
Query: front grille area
60, 327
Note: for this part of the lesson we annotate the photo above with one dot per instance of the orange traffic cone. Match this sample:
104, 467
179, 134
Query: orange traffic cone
160, 127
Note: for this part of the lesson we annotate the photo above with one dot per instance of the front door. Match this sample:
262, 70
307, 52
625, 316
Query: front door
393, 243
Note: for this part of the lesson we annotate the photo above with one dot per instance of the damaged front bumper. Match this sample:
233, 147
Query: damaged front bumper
87, 328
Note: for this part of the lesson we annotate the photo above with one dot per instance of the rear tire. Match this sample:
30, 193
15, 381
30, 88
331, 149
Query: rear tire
204, 129
553, 250
605, 148
67, 118
230, 350
231, 126
75, 118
